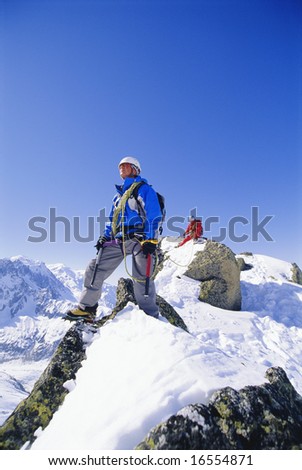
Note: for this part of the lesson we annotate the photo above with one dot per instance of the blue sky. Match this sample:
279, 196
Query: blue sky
207, 94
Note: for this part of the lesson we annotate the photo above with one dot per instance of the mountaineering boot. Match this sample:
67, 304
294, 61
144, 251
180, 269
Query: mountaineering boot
79, 313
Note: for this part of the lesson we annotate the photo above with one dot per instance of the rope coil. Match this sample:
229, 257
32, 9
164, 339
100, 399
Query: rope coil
122, 210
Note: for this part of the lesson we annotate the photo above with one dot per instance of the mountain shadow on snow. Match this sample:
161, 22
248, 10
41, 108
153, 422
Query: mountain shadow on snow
281, 302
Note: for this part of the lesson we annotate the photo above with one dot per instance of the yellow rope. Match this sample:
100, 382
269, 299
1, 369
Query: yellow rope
121, 207
184, 265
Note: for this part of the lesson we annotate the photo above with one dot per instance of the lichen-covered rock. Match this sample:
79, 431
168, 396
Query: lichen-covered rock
216, 266
296, 274
256, 417
125, 294
47, 395
167, 311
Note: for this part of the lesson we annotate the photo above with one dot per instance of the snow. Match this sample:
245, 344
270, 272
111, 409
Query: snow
139, 370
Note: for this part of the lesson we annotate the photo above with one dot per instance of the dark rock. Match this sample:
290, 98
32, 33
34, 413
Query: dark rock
243, 266
125, 294
217, 268
268, 416
296, 274
167, 311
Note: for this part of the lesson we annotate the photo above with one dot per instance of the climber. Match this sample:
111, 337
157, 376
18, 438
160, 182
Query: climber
193, 231
132, 230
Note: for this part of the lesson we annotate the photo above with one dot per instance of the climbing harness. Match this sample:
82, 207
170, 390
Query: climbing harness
120, 210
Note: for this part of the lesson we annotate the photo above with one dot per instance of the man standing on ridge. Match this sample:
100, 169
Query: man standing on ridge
132, 230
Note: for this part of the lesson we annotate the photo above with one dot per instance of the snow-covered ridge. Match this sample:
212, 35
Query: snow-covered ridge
265, 268
268, 290
145, 370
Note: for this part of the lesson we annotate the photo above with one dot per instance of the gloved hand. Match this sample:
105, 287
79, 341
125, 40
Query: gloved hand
149, 247
100, 242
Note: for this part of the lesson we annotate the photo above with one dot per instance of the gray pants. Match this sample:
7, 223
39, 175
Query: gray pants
112, 256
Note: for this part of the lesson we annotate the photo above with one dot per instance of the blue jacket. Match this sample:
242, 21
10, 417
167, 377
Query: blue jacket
145, 222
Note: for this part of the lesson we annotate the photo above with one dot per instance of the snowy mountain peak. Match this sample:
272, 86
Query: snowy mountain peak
26, 261
73, 279
29, 288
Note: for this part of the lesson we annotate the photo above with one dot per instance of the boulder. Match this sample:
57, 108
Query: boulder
262, 417
217, 269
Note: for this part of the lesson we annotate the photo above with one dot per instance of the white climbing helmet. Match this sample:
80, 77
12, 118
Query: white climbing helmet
133, 161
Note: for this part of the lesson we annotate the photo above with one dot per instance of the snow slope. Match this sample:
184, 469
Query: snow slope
139, 370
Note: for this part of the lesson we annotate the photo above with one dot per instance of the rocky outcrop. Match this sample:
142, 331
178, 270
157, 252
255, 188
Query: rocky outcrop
125, 294
257, 417
296, 274
217, 269
166, 310
47, 395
